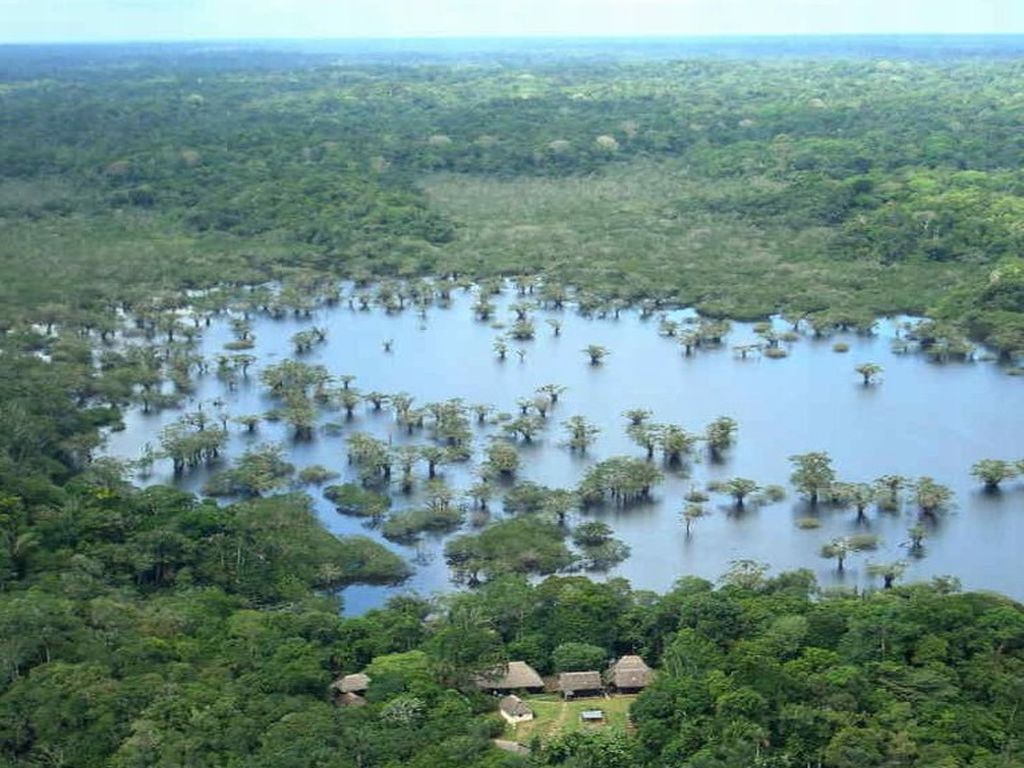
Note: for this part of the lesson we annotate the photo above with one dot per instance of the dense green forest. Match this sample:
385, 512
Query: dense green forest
743, 187
148, 627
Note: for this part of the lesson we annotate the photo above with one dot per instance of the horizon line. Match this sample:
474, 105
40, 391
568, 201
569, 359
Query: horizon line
498, 38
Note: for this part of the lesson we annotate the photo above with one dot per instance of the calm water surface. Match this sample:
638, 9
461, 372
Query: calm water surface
922, 419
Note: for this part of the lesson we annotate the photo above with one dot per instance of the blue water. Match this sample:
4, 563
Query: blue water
922, 419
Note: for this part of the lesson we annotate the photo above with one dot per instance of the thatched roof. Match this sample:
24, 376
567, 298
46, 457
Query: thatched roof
356, 683
350, 700
514, 706
570, 682
629, 672
516, 675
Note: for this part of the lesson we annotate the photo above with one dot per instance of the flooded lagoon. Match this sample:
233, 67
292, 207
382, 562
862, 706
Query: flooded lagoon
922, 418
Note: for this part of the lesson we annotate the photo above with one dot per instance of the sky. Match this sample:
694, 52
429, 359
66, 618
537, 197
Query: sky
26, 21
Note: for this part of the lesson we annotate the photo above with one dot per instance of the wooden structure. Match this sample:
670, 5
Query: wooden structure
630, 674
514, 709
514, 676
592, 716
574, 685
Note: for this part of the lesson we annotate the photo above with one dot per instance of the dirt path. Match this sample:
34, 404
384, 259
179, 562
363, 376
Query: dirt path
556, 725
511, 746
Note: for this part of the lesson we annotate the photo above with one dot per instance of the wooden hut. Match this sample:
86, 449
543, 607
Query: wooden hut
357, 683
630, 674
574, 685
514, 709
515, 676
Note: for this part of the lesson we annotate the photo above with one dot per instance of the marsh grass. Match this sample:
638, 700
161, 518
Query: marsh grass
644, 228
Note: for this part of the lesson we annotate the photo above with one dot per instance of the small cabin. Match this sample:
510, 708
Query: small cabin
574, 685
514, 709
630, 674
514, 676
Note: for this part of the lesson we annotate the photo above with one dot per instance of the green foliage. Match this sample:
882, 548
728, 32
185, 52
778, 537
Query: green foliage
812, 474
622, 480
522, 545
992, 472
147, 627
351, 499
257, 472
578, 657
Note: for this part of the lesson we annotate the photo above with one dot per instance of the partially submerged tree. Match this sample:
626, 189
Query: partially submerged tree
692, 513
992, 472
869, 372
932, 498
888, 572
720, 435
737, 487
581, 433
595, 353
812, 474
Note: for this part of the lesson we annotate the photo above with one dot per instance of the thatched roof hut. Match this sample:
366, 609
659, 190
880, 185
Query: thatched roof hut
630, 673
515, 676
514, 709
350, 700
580, 684
357, 683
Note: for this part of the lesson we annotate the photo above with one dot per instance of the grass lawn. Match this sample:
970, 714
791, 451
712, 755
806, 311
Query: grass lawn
554, 716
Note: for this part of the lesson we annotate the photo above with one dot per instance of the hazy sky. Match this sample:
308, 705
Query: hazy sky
58, 20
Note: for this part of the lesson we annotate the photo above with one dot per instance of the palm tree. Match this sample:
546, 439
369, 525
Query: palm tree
869, 372
480, 493
644, 435
434, 455
582, 433
675, 442
522, 330
889, 487
888, 571
691, 514
858, 495
720, 435
502, 458
596, 353
541, 403
837, 549
406, 456
482, 411
812, 474
688, 341
932, 498
349, 399
556, 325
737, 487
917, 533
501, 348
559, 503
993, 471
551, 390
637, 415
743, 350
377, 399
